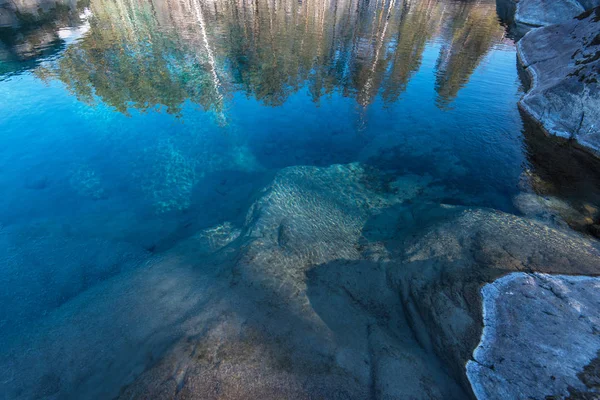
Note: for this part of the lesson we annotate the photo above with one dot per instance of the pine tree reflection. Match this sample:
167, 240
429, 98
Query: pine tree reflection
160, 53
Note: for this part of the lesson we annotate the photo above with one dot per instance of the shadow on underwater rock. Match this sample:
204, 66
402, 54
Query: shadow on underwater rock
334, 287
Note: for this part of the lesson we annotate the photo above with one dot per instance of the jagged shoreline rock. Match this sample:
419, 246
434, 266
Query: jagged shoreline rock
443, 271
523, 351
561, 58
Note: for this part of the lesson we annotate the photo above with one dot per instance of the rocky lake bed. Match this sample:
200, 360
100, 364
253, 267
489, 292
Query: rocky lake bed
308, 263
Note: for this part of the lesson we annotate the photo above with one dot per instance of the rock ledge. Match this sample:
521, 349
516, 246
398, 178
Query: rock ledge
563, 64
523, 352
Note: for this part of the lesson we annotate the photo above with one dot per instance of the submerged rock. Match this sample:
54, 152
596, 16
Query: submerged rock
540, 333
442, 271
563, 63
45, 266
555, 211
86, 182
169, 180
293, 305
335, 286
562, 184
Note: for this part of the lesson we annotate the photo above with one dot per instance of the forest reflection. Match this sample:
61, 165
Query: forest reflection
149, 53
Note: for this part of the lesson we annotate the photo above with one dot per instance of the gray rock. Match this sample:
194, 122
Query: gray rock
8, 16
524, 15
442, 271
540, 333
563, 62
546, 12
15, 13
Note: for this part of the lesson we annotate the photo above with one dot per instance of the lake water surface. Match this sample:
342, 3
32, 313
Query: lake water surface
138, 131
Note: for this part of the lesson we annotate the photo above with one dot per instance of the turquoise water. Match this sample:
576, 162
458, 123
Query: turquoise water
132, 127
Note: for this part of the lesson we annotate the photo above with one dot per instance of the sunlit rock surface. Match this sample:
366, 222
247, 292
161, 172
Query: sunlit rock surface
563, 62
334, 287
540, 338
546, 12
528, 14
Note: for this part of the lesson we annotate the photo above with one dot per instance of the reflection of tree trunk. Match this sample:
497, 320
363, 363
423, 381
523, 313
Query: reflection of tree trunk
332, 47
380, 39
473, 32
375, 27
351, 55
271, 34
415, 28
125, 20
256, 18
321, 38
305, 5
211, 60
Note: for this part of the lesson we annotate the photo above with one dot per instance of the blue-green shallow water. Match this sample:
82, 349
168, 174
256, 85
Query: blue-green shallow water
125, 134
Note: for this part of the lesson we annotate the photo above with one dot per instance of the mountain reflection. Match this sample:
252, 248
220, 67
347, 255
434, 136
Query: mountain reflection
161, 53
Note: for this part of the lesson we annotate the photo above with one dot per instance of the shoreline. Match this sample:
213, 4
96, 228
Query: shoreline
556, 85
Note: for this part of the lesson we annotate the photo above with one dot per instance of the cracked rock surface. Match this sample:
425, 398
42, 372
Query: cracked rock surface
540, 338
563, 63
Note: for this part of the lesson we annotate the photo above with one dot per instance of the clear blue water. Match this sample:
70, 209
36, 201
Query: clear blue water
142, 123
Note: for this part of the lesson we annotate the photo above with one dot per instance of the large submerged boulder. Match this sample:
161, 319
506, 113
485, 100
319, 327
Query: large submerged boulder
293, 304
338, 285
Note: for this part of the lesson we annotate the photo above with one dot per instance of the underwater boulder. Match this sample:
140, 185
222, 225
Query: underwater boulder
333, 287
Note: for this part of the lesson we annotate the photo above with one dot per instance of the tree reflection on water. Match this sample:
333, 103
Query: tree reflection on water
145, 54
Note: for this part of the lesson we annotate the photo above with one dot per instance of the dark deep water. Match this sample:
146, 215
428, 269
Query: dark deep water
140, 125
